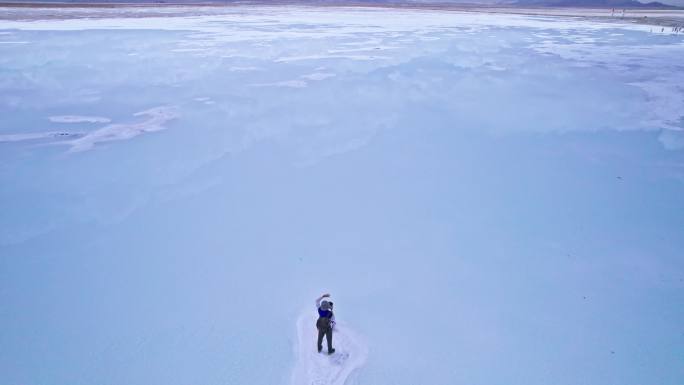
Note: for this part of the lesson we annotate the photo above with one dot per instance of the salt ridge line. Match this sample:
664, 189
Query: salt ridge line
156, 118
313, 368
82, 141
78, 119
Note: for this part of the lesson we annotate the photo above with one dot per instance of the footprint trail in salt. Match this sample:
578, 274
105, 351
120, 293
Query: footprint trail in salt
313, 368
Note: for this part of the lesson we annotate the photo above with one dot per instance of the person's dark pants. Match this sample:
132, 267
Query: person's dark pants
324, 329
327, 332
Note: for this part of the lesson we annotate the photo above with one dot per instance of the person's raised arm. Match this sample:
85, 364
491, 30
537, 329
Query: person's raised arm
318, 300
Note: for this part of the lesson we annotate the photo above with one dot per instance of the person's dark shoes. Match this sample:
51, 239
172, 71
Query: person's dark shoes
331, 351
320, 348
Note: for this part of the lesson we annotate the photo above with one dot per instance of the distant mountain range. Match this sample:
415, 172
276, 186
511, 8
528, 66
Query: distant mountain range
529, 3
595, 3
618, 4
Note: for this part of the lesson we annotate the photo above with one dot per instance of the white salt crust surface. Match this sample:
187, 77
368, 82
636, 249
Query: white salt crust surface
313, 368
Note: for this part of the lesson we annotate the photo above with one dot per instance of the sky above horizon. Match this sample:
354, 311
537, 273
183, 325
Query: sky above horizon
679, 3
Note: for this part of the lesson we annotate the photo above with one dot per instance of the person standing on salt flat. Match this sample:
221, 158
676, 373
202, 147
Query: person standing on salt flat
325, 322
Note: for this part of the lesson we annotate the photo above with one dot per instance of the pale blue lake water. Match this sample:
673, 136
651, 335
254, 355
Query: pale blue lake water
490, 199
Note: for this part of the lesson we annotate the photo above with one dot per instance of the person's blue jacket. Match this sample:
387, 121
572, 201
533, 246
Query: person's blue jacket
324, 313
